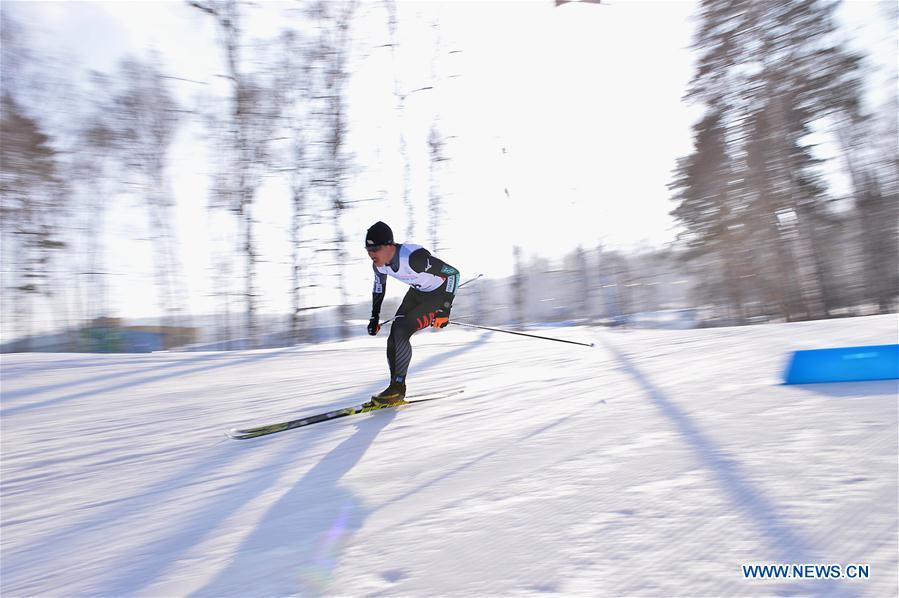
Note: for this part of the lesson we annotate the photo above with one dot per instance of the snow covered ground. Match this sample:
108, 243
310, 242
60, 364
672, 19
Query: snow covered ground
655, 464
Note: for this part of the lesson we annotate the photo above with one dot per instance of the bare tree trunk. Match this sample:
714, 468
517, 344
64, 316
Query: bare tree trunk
254, 112
298, 197
166, 262
731, 272
390, 5
337, 77
436, 144
229, 20
518, 284
249, 252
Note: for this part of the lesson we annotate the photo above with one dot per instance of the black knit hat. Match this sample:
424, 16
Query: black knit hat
378, 234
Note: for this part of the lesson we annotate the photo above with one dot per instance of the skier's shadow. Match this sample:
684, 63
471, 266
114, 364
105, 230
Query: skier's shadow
786, 541
295, 548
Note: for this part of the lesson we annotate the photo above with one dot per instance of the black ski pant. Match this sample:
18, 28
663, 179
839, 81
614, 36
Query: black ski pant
414, 313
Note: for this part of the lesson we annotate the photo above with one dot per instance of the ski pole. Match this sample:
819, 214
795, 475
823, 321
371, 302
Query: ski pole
547, 338
460, 286
470, 280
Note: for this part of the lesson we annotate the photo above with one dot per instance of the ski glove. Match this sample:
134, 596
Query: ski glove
441, 317
374, 326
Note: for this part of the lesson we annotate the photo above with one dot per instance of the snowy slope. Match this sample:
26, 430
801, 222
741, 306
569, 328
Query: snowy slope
654, 464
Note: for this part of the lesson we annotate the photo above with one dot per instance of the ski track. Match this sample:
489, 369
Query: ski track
654, 464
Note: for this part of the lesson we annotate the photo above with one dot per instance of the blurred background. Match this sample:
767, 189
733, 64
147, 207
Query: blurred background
200, 175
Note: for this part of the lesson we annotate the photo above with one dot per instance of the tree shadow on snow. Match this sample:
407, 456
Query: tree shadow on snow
787, 543
156, 376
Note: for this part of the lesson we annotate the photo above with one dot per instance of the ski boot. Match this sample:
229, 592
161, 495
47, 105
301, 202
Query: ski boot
393, 395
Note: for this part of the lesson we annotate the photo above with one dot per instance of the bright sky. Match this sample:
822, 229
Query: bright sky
585, 99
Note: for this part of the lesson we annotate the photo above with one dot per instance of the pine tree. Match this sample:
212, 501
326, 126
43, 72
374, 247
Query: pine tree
751, 193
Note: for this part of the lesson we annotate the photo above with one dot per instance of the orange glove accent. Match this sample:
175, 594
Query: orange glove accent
440, 318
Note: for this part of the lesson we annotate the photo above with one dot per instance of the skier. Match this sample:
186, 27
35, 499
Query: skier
433, 285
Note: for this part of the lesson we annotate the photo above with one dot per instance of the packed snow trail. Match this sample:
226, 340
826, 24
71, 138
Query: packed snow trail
655, 464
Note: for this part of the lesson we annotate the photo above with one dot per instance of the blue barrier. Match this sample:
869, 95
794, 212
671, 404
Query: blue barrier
844, 364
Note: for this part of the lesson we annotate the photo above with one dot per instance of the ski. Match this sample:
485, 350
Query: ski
254, 432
